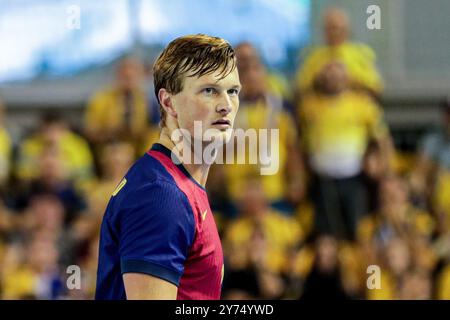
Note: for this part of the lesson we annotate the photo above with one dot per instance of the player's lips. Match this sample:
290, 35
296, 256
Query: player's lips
224, 123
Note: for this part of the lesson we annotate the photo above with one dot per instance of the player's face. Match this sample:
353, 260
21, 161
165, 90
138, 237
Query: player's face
211, 100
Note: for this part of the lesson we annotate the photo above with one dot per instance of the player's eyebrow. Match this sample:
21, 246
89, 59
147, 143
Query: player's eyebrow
210, 84
215, 85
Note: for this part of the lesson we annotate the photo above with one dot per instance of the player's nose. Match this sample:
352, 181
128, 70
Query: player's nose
224, 106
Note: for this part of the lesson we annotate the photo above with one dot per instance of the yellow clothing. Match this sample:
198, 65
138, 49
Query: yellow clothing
388, 290
358, 58
336, 129
403, 162
305, 216
278, 85
106, 112
304, 262
259, 116
421, 221
98, 195
18, 284
5, 154
281, 233
353, 265
74, 152
441, 196
443, 284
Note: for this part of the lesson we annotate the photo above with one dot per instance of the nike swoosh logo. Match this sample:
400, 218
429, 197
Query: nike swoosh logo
204, 215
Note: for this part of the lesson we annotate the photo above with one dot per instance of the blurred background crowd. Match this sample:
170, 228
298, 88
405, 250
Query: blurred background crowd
351, 191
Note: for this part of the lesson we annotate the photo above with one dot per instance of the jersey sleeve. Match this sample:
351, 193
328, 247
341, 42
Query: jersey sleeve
157, 229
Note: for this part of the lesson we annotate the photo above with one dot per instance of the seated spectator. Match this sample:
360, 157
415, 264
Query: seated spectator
35, 273
324, 281
281, 233
403, 277
52, 179
396, 217
416, 285
337, 125
247, 275
73, 150
430, 180
261, 109
115, 160
374, 169
13, 265
358, 58
394, 260
223, 207
120, 111
274, 82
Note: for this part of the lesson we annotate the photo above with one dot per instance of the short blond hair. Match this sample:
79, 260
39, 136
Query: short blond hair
199, 54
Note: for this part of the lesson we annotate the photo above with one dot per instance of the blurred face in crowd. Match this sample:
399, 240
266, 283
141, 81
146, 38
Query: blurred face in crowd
43, 254
416, 285
50, 166
130, 73
327, 254
251, 71
13, 256
49, 213
257, 245
333, 78
374, 166
53, 132
393, 191
398, 256
117, 159
254, 202
296, 190
336, 27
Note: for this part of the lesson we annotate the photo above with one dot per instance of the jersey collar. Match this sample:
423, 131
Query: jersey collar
166, 151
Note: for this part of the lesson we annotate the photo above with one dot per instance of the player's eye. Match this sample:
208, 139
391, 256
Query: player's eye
233, 92
210, 91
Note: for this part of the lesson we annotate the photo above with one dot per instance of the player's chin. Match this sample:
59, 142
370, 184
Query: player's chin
219, 136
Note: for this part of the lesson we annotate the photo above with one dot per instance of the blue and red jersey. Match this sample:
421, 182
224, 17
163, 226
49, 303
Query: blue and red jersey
159, 222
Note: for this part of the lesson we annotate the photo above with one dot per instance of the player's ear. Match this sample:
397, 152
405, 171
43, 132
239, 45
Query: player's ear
165, 99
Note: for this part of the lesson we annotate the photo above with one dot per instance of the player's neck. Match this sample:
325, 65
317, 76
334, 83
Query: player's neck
197, 171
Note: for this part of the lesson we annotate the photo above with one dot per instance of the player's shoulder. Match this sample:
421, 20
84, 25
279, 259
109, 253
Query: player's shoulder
147, 182
148, 168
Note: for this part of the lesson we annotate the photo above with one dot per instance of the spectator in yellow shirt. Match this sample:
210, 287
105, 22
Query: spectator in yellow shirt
336, 126
121, 110
358, 58
260, 109
282, 233
115, 159
258, 243
396, 217
38, 277
430, 179
276, 84
72, 148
